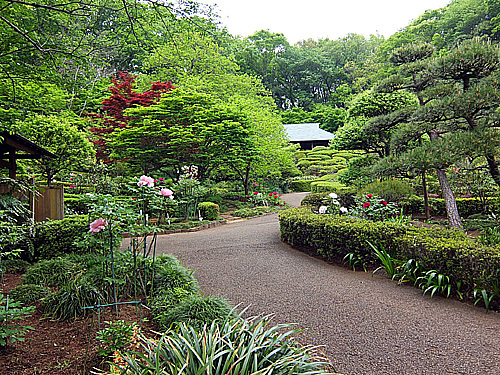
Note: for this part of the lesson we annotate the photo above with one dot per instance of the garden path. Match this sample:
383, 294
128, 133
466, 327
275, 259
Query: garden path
368, 325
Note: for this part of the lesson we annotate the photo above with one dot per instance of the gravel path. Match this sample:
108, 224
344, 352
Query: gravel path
368, 325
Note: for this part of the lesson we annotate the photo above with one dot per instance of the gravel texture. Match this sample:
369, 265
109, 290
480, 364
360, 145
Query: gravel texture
368, 325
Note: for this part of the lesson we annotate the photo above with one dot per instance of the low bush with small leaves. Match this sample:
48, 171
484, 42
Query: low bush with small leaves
56, 238
209, 210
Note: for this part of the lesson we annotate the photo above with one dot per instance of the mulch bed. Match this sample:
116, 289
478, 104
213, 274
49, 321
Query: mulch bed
61, 348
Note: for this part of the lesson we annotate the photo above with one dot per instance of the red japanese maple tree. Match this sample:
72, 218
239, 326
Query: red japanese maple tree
123, 96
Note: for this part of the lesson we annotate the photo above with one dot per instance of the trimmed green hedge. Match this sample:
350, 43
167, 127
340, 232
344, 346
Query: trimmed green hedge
466, 206
55, 238
300, 185
328, 187
450, 252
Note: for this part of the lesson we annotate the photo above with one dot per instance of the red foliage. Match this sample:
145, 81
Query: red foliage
122, 97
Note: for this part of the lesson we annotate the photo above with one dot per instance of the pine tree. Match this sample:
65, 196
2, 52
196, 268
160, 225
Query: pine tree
414, 61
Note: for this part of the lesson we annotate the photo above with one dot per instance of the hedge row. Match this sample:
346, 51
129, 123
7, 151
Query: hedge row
450, 252
466, 206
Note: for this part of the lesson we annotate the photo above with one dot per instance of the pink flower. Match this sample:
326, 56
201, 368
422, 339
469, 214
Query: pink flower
270, 194
72, 175
166, 193
161, 179
97, 225
366, 205
369, 196
384, 203
145, 180
255, 193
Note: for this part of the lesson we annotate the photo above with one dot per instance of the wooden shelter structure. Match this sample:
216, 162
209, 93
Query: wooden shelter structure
49, 204
308, 136
14, 147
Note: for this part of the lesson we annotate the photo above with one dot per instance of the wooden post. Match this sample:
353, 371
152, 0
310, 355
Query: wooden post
12, 164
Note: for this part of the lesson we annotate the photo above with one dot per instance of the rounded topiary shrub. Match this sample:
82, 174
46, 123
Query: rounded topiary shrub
28, 293
209, 210
196, 311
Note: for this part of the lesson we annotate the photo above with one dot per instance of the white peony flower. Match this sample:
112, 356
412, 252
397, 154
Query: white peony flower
333, 195
322, 209
343, 210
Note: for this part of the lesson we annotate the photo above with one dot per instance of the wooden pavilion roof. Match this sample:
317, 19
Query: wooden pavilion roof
14, 147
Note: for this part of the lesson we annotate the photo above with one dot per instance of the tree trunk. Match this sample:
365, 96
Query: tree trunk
449, 200
493, 167
426, 197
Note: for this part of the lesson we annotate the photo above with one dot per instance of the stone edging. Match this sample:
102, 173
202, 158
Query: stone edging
186, 230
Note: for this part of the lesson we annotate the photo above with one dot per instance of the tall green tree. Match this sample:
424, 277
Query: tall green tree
62, 136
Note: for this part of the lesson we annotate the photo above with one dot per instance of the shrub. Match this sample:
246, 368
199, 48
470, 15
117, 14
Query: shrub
116, 336
449, 252
52, 272
195, 311
231, 346
392, 190
209, 210
75, 203
466, 206
55, 238
315, 200
329, 187
300, 185
28, 293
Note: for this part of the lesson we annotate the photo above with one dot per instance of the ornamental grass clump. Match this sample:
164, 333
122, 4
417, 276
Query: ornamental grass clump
231, 346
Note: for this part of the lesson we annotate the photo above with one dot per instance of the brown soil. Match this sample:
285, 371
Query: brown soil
61, 348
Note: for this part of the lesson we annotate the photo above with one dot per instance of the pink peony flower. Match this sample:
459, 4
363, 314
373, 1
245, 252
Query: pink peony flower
97, 225
72, 175
369, 196
255, 193
145, 180
366, 205
166, 193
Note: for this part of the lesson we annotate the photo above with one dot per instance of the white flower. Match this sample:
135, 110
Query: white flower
333, 195
322, 209
343, 210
